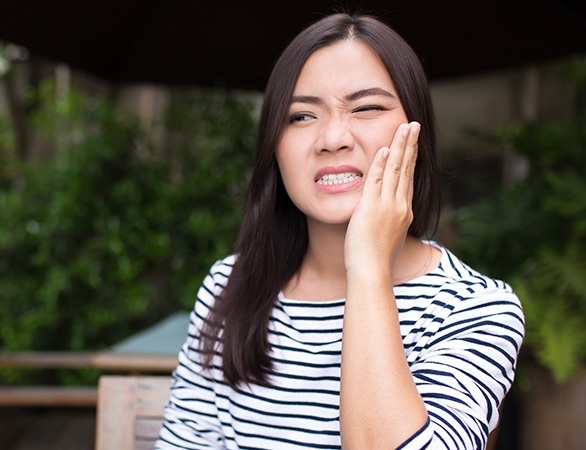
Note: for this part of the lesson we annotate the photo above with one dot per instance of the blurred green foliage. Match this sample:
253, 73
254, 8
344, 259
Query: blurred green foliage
532, 233
118, 228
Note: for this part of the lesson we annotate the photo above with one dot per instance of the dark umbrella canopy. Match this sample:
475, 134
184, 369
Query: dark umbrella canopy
234, 44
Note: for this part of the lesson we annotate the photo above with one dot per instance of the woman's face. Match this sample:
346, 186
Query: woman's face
343, 109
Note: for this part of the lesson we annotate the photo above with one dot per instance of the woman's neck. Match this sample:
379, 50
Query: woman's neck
322, 275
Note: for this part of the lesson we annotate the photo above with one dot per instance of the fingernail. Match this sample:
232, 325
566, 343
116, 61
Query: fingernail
382, 153
415, 127
406, 130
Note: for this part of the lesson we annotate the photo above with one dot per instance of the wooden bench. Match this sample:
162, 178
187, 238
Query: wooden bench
107, 360
150, 351
48, 396
75, 396
130, 411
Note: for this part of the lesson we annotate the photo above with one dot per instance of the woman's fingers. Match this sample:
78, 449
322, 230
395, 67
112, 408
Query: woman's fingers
374, 177
407, 173
400, 168
394, 168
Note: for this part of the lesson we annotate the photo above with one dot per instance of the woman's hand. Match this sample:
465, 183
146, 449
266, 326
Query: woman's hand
378, 227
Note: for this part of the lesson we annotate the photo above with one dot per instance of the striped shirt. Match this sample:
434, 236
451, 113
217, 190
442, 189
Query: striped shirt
461, 331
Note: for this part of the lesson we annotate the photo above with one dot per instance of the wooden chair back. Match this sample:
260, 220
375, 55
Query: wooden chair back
130, 411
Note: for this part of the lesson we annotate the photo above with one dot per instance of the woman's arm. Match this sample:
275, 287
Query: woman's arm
380, 406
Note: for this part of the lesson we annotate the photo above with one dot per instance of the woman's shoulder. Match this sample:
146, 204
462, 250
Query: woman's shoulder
212, 286
467, 282
223, 266
454, 269
217, 278
470, 296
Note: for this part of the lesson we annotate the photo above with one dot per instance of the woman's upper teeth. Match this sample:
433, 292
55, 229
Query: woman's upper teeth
338, 178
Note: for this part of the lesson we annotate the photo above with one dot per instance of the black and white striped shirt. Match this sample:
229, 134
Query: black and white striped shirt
462, 332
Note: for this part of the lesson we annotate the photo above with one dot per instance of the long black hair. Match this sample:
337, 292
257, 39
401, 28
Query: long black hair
273, 237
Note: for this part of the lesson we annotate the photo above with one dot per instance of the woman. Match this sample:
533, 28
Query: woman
335, 324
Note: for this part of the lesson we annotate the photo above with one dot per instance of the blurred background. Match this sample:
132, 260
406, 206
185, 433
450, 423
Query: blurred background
126, 138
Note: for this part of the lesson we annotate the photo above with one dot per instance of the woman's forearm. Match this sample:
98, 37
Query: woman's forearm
380, 406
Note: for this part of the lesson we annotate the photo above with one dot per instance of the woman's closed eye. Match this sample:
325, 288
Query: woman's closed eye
369, 108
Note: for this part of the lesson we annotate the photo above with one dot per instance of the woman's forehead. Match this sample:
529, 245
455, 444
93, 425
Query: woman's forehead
343, 68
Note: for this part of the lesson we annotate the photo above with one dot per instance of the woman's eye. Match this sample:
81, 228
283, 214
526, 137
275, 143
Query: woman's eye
300, 117
366, 108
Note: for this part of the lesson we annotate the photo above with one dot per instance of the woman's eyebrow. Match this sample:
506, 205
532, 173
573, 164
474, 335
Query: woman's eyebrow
368, 92
306, 99
313, 100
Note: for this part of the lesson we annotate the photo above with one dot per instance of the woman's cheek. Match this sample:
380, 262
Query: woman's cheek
378, 134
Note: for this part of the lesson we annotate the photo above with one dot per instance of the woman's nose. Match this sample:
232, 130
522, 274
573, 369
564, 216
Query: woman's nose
334, 135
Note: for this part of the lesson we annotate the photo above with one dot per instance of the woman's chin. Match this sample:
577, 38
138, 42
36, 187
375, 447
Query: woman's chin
337, 218
338, 212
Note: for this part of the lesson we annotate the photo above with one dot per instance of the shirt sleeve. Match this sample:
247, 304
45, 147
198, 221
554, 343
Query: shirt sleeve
191, 415
466, 370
